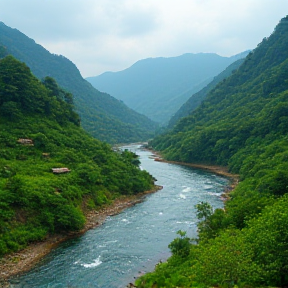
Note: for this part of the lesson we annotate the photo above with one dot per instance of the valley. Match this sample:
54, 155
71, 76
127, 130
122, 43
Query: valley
134, 240
158, 87
60, 175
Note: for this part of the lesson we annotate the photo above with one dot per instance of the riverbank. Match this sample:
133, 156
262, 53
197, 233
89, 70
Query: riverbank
22, 261
218, 170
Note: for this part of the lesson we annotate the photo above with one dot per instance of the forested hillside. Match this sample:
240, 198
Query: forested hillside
243, 123
196, 99
157, 87
40, 132
103, 116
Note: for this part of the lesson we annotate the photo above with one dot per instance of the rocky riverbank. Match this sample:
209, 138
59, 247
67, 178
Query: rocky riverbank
24, 260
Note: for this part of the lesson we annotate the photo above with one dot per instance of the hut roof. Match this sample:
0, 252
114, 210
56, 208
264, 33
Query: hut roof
25, 141
60, 170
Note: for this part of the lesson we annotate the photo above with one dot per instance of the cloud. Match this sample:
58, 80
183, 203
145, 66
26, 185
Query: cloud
107, 35
79, 19
54, 20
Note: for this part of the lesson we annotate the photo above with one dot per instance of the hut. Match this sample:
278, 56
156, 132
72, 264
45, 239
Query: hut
60, 170
25, 141
46, 155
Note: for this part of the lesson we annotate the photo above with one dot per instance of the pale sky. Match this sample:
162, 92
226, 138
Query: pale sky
111, 35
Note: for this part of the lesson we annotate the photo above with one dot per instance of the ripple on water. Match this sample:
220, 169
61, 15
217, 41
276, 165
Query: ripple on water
215, 194
207, 187
187, 189
96, 263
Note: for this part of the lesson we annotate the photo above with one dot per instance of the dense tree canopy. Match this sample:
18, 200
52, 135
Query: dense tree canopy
33, 200
243, 123
103, 116
196, 99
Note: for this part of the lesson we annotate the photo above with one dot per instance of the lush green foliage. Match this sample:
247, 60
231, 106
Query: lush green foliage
254, 256
33, 200
180, 246
196, 99
103, 116
243, 123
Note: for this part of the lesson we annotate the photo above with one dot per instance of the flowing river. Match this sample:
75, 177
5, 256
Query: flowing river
133, 242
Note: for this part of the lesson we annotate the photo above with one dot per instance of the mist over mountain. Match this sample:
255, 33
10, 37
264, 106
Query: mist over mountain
158, 87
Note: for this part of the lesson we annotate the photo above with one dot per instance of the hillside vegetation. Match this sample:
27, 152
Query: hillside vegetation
34, 202
243, 123
196, 99
103, 116
157, 87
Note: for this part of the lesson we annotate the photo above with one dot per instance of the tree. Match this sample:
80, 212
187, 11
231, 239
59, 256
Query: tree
10, 110
204, 210
226, 261
180, 246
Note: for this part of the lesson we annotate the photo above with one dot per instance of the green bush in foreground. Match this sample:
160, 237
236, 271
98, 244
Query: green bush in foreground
254, 256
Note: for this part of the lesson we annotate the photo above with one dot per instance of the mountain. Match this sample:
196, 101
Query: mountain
52, 172
196, 99
242, 124
102, 116
157, 87
235, 109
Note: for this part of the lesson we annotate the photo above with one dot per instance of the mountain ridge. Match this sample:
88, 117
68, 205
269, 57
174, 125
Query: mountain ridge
52, 171
195, 100
242, 124
102, 115
150, 85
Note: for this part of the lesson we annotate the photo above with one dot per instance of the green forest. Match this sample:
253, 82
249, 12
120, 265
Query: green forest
40, 131
242, 124
196, 99
103, 116
53, 172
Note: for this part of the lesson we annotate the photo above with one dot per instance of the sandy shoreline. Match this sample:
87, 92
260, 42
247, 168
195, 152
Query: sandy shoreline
22, 261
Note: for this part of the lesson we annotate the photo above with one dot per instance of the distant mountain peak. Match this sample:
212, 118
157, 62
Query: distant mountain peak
157, 87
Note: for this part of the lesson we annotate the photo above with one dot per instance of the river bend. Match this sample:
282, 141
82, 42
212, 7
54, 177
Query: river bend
132, 242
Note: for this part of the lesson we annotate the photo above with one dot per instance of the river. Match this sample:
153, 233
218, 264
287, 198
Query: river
134, 241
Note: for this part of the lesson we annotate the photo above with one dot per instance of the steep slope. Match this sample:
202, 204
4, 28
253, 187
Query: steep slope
234, 110
157, 87
195, 100
242, 123
102, 116
40, 132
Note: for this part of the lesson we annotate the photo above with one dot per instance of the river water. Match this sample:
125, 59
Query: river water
134, 241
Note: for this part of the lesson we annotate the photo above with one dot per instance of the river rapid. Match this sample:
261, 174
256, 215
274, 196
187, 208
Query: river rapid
134, 241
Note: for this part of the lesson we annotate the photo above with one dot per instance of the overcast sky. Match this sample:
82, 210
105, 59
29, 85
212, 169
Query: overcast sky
111, 35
